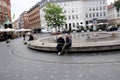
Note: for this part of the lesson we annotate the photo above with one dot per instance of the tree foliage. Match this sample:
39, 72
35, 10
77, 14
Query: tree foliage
117, 5
54, 15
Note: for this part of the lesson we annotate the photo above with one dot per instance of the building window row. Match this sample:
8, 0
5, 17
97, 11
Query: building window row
5, 11
97, 8
96, 3
77, 10
73, 25
90, 15
72, 17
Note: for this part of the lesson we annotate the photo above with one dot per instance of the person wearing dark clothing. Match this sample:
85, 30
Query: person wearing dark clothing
24, 36
31, 37
8, 37
60, 44
68, 43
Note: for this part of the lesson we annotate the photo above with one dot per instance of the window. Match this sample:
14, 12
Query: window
69, 17
93, 9
90, 15
72, 10
103, 2
97, 14
96, 8
73, 17
103, 7
100, 13
86, 15
64, 4
104, 13
76, 16
100, 8
73, 25
5, 11
117, 15
93, 14
65, 18
89, 9
66, 26
65, 11
0, 9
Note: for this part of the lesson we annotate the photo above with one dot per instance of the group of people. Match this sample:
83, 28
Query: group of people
63, 44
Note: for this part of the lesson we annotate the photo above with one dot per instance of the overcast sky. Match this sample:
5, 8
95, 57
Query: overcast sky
18, 6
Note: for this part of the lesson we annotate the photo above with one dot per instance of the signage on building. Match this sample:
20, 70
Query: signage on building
94, 23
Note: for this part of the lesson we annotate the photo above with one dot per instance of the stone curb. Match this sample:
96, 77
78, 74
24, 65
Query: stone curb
88, 47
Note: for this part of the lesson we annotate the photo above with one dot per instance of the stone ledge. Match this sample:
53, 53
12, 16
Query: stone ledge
43, 45
78, 49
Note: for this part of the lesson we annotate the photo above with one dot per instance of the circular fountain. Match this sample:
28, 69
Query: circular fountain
81, 42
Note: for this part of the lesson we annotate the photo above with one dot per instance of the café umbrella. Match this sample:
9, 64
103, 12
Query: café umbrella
7, 30
23, 30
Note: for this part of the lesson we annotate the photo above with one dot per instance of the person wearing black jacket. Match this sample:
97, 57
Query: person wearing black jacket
31, 37
60, 44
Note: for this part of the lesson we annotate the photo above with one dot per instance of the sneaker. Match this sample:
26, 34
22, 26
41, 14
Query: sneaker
59, 53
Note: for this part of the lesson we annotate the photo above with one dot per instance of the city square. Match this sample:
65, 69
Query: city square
21, 63
30, 45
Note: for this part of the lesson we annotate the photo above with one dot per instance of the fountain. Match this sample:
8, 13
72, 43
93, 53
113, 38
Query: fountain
81, 42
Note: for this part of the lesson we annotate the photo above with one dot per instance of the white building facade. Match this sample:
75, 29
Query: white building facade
113, 15
78, 12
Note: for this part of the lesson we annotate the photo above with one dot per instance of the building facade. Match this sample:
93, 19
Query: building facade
5, 11
34, 17
95, 9
24, 22
16, 24
78, 12
113, 15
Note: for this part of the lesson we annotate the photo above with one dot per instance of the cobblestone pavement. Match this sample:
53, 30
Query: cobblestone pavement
17, 62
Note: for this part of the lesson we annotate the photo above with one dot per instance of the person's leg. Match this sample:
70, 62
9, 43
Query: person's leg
58, 49
67, 47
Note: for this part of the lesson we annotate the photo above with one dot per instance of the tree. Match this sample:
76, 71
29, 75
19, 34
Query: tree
54, 15
117, 5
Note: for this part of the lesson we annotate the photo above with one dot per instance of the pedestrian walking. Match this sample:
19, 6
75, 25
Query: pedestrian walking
24, 35
8, 37
60, 44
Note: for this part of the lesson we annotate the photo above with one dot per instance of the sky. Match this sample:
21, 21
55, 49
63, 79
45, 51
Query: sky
18, 6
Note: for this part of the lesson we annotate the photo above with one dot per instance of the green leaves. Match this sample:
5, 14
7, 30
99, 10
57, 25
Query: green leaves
117, 5
54, 15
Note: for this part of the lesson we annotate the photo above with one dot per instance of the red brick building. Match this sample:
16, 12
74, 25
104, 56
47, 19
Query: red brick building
5, 10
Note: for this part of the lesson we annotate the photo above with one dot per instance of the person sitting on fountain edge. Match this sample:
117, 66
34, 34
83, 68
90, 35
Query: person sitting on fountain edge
68, 43
60, 44
31, 37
